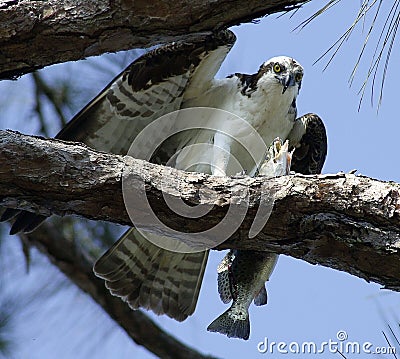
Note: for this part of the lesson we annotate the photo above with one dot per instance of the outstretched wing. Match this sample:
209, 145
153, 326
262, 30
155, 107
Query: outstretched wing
147, 276
155, 84
309, 139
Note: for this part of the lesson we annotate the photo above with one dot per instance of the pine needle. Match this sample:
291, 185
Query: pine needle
384, 45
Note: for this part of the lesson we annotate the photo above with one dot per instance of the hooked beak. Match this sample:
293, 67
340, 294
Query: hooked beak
286, 81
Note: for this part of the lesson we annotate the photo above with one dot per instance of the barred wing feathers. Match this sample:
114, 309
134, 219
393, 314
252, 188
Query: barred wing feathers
153, 85
147, 276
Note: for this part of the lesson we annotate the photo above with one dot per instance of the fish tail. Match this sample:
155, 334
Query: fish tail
233, 323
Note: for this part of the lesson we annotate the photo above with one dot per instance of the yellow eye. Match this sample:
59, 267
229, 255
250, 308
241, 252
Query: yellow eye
298, 76
277, 68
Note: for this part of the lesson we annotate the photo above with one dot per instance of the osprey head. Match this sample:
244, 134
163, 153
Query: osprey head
282, 71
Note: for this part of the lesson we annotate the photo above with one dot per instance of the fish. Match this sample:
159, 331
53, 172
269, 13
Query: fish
242, 274
241, 278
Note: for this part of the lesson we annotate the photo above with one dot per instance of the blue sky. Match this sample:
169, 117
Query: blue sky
306, 302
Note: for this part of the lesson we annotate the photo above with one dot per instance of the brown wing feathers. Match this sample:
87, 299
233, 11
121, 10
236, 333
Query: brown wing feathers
106, 124
310, 140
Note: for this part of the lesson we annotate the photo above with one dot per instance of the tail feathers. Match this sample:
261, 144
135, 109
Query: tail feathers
24, 221
9, 213
233, 324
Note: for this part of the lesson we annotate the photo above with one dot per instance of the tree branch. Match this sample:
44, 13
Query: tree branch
58, 31
75, 265
343, 221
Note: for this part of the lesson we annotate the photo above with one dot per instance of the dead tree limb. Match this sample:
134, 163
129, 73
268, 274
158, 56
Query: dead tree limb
343, 221
57, 31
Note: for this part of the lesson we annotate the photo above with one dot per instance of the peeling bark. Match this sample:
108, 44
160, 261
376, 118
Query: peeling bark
35, 34
343, 221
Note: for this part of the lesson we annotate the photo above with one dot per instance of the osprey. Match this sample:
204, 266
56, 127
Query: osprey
177, 76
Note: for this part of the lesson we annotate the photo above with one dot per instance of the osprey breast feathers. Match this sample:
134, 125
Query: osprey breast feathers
265, 99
